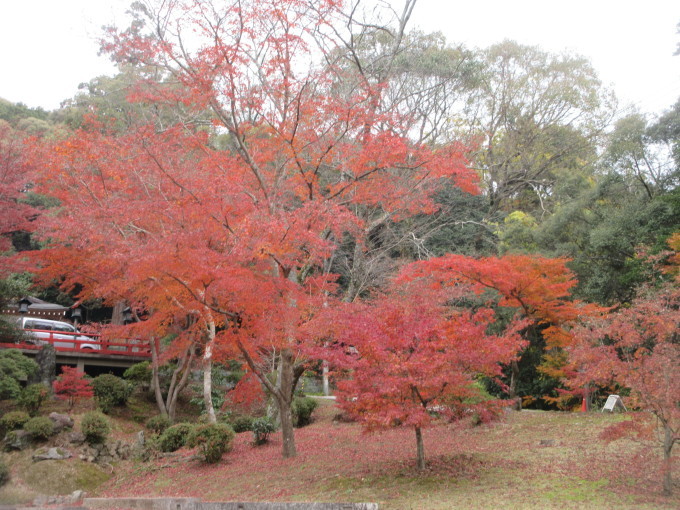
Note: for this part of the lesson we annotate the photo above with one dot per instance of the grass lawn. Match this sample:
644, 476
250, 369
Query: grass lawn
529, 460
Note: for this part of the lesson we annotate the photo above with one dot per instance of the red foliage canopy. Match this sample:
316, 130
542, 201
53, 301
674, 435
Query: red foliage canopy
72, 385
15, 175
410, 352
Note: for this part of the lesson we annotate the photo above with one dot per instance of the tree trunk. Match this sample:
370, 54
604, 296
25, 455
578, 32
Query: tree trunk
667, 461
153, 342
207, 389
514, 378
420, 449
207, 374
324, 375
282, 393
284, 400
117, 314
176, 386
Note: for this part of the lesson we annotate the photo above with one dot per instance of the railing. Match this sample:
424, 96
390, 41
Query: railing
79, 343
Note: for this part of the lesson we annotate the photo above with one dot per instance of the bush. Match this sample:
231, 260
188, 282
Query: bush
95, 427
261, 428
110, 391
212, 440
175, 437
242, 423
139, 374
157, 424
302, 408
13, 420
4, 472
32, 398
40, 427
14, 367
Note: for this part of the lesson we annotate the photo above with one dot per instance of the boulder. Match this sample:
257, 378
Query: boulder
76, 438
61, 421
51, 454
46, 358
17, 440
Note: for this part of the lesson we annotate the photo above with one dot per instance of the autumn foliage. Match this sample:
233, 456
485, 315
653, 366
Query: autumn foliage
72, 386
531, 287
636, 347
15, 177
413, 353
237, 234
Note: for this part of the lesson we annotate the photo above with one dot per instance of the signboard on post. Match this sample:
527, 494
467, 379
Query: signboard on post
613, 401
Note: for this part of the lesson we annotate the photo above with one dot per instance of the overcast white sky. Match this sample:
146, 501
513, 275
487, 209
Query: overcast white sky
48, 47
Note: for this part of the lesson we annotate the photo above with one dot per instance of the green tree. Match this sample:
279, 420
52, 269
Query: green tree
537, 117
14, 368
648, 159
602, 230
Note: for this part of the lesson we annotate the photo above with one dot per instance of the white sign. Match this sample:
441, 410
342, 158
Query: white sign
613, 401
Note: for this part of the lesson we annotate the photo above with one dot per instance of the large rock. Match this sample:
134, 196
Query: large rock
61, 422
76, 437
51, 454
47, 365
17, 440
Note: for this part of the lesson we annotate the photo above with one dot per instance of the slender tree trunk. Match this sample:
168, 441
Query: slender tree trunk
282, 393
667, 461
207, 374
514, 379
284, 400
324, 375
176, 386
420, 449
153, 342
207, 389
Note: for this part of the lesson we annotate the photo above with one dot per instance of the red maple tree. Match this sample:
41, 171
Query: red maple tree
538, 288
636, 347
411, 353
15, 177
72, 385
236, 236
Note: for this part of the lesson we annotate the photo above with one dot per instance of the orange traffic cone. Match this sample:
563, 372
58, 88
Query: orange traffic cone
584, 407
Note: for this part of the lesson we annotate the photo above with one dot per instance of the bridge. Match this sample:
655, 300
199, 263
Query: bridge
91, 354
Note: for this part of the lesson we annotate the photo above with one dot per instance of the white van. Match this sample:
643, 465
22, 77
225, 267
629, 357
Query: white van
40, 330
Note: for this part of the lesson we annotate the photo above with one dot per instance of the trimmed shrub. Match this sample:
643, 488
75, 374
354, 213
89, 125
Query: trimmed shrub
175, 437
110, 391
261, 428
241, 423
157, 424
13, 420
212, 440
95, 427
302, 408
139, 374
32, 398
40, 427
4, 472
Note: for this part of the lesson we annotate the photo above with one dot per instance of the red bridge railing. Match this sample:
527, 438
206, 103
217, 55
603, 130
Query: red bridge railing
79, 343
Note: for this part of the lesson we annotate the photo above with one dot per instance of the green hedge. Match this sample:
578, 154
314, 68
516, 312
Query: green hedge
40, 427
302, 408
175, 437
110, 391
13, 420
95, 427
212, 440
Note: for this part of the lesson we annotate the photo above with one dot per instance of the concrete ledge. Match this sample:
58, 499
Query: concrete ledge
197, 504
143, 503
